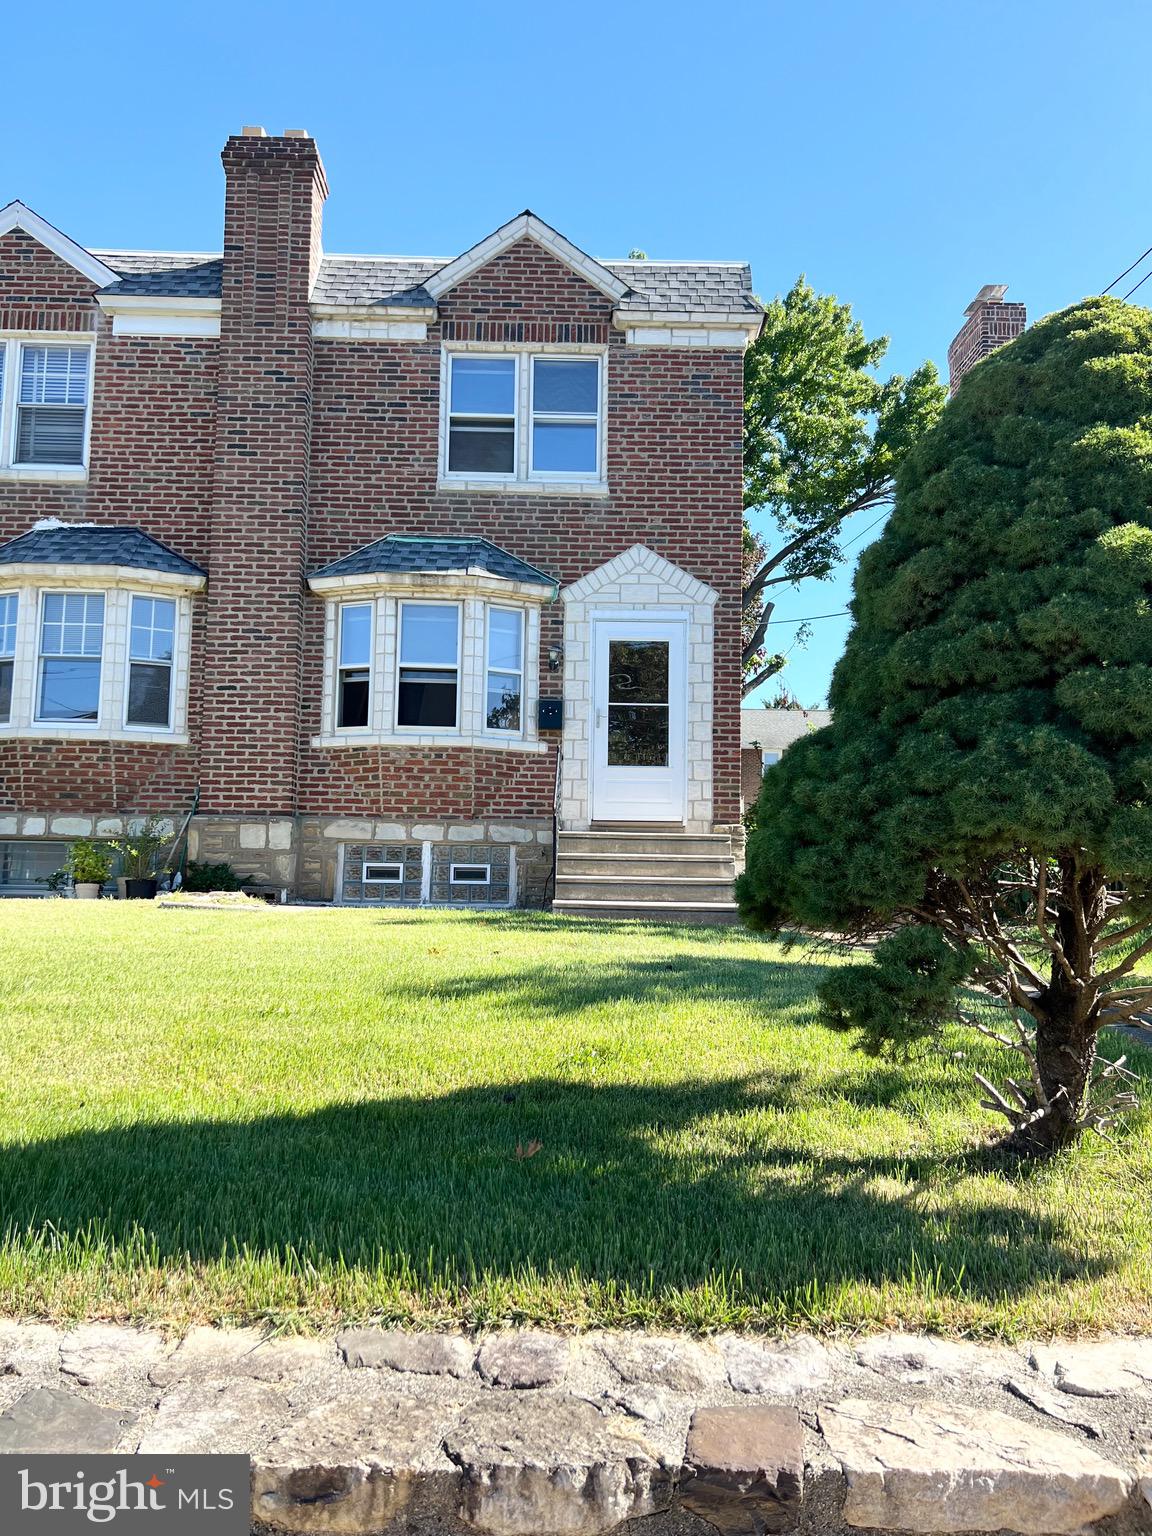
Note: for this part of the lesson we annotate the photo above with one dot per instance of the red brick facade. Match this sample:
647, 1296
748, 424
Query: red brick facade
269, 452
990, 323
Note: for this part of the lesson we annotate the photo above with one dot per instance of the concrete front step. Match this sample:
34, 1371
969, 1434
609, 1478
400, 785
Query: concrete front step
704, 866
714, 844
718, 912
642, 888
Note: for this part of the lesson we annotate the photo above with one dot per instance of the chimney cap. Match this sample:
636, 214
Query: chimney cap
991, 293
297, 133
252, 131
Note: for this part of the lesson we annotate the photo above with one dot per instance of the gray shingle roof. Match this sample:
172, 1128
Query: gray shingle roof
164, 274
398, 553
85, 544
774, 729
723, 287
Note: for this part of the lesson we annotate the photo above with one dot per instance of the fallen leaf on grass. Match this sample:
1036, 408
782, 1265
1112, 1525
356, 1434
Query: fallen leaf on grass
524, 1152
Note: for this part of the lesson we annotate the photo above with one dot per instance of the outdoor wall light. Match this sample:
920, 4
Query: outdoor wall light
555, 658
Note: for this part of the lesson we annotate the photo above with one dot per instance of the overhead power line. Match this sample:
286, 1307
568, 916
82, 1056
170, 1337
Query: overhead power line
1140, 284
812, 617
1125, 273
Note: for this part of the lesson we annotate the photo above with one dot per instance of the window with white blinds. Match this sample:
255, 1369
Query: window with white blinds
45, 397
52, 405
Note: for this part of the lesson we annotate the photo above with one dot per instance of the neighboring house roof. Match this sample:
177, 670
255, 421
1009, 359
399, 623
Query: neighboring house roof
55, 543
771, 730
165, 274
428, 556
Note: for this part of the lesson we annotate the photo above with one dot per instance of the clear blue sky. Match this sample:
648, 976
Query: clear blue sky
899, 153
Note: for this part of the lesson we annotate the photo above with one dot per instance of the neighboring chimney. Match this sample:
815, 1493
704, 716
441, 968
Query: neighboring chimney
989, 325
274, 197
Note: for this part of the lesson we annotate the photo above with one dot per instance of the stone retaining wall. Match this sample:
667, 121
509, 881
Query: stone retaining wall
532, 1434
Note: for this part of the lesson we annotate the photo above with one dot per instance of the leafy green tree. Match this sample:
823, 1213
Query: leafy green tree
983, 798
823, 437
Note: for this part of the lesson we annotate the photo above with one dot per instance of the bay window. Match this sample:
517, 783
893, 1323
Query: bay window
151, 650
45, 390
520, 418
427, 692
71, 651
353, 689
504, 680
9, 608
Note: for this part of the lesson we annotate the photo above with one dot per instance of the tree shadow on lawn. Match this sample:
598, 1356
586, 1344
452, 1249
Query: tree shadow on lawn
659, 1188
546, 991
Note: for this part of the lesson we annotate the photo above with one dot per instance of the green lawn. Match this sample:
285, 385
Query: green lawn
307, 1116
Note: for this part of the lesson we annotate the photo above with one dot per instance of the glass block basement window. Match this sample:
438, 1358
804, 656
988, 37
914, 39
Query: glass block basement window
382, 874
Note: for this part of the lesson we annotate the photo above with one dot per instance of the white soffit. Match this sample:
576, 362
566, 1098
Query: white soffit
17, 215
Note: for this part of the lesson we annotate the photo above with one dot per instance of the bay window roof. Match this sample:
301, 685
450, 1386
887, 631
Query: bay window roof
53, 543
408, 556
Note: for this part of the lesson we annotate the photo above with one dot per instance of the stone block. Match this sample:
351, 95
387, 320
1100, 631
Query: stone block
428, 832
524, 1359
216, 1417
34, 826
8, 826
547, 1464
47, 1421
100, 1352
929, 1466
109, 826
349, 831
744, 1469
390, 832
427, 1354
782, 1369
71, 826
500, 832
253, 834
280, 834
466, 832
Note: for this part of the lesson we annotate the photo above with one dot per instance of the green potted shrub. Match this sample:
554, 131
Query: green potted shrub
90, 864
142, 860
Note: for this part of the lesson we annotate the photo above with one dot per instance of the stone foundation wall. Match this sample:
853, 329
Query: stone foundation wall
302, 854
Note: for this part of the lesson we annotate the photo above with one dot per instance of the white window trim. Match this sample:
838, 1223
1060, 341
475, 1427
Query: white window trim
429, 666
525, 480
469, 864
471, 694
768, 760
367, 879
496, 477
10, 656
354, 730
595, 476
38, 678
114, 661
149, 662
12, 344
510, 732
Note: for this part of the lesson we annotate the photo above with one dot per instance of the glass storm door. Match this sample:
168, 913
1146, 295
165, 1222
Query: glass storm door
638, 721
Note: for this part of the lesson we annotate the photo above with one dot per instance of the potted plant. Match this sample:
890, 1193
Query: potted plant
90, 865
141, 859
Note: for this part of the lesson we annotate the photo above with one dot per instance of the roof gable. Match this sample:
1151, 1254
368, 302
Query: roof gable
525, 226
17, 215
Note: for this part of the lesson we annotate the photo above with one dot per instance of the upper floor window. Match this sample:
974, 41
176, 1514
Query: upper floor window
45, 390
521, 417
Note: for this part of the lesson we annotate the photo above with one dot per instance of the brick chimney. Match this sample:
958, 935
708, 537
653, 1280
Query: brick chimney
274, 197
989, 325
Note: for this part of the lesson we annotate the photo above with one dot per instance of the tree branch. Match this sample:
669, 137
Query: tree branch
867, 498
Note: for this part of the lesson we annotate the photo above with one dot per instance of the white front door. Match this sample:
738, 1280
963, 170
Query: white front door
638, 719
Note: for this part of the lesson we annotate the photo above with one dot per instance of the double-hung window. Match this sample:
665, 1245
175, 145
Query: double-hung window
151, 648
71, 647
353, 686
9, 606
482, 415
51, 406
522, 417
428, 686
565, 416
504, 682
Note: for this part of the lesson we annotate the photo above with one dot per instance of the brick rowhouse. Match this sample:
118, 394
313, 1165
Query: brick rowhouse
282, 425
